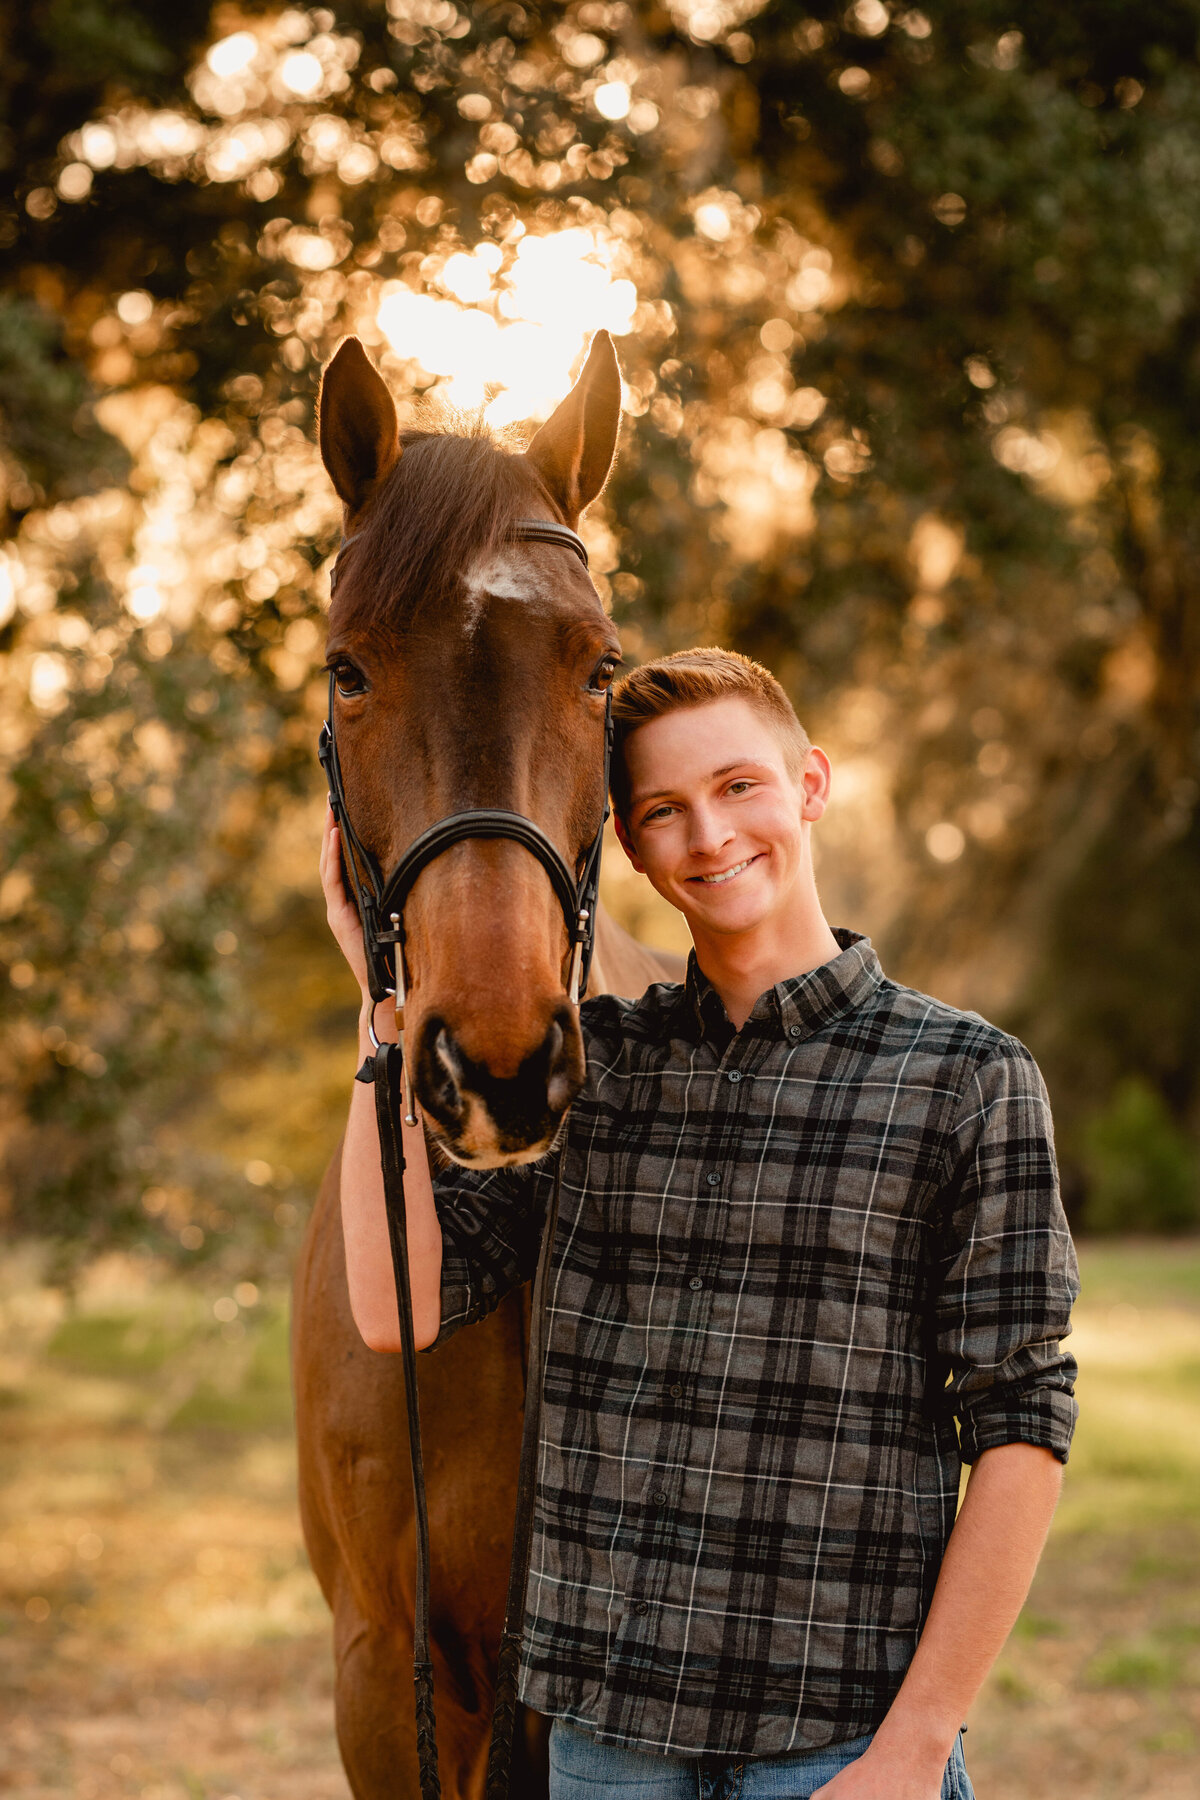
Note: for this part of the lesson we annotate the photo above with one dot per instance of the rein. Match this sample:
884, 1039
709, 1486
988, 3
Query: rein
381, 905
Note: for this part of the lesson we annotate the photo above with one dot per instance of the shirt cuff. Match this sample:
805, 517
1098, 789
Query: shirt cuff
1044, 1416
461, 1305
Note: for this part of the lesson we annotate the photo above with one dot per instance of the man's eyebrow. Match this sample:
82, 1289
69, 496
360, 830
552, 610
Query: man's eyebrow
742, 762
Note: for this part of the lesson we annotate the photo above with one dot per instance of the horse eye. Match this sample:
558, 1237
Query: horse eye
603, 675
350, 681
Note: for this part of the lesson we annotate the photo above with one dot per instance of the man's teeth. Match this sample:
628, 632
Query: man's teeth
727, 874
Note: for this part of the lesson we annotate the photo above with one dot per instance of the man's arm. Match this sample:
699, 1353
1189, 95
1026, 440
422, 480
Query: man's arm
482, 1242
473, 1234
985, 1575
364, 1220
364, 1215
1006, 1282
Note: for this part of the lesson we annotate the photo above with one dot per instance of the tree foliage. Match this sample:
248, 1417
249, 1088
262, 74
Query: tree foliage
912, 378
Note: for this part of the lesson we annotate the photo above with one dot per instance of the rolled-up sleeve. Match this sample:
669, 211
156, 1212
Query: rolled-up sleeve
491, 1224
1008, 1275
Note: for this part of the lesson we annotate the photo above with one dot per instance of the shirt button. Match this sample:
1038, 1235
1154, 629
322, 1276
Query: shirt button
695, 1284
641, 1609
713, 1178
659, 1496
675, 1389
793, 1031
735, 1075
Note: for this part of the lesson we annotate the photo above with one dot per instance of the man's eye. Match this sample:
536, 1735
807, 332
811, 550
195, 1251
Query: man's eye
349, 680
740, 786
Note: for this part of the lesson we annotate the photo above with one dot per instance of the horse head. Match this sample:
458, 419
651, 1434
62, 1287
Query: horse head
470, 670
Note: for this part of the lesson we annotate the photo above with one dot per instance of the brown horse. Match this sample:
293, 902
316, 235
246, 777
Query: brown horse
470, 672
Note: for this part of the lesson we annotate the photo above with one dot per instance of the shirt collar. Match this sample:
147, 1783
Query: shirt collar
801, 1005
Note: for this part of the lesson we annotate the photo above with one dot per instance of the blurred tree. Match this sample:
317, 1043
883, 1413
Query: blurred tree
913, 340
1142, 1170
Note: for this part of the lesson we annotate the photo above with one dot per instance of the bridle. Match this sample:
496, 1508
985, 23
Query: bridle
381, 904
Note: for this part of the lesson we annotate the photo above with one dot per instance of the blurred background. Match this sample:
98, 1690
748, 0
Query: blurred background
908, 308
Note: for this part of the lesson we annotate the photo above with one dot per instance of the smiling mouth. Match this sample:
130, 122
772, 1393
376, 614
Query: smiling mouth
725, 875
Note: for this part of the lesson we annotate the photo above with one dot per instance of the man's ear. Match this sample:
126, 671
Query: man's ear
626, 843
816, 779
357, 427
573, 451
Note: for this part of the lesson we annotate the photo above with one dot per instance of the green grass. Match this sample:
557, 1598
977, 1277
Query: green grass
1143, 1272
125, 1343
257, 1395
1149, 1662
163, 1357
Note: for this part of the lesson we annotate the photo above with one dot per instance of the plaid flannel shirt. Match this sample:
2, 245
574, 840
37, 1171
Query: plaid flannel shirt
802, 1272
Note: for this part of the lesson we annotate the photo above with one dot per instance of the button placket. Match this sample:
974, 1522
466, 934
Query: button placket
695, 1300
648, 1563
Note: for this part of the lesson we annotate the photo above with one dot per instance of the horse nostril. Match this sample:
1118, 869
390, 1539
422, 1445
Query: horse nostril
560, 1088
447, 1073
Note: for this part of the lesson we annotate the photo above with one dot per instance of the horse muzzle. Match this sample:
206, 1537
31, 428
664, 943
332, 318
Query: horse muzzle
486, 1118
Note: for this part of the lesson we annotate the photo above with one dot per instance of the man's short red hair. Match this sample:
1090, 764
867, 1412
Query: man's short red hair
692, 678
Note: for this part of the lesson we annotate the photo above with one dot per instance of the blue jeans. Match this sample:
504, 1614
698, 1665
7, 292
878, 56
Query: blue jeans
582, 1769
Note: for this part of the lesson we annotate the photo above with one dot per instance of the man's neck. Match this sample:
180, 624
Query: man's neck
743, 966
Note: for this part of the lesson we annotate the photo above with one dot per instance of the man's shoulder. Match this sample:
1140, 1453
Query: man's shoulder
913, 1022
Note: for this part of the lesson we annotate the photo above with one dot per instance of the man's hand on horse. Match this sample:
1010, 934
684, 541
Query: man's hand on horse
340, 909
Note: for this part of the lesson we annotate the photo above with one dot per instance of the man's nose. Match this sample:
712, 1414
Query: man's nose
708, 831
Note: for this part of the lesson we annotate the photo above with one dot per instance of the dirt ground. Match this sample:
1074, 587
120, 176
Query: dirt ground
162, 1638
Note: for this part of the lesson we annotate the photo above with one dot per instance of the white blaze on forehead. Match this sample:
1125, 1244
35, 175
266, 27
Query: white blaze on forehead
507, 574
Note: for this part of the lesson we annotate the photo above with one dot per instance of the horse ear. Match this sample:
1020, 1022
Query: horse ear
356, 424
573, 451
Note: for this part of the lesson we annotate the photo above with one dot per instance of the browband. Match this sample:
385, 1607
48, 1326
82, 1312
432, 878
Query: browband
530, 531
545, 531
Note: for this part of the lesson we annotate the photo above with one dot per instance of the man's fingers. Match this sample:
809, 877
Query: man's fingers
336, 898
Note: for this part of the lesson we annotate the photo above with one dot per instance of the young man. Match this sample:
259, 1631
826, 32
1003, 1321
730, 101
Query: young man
810, 1260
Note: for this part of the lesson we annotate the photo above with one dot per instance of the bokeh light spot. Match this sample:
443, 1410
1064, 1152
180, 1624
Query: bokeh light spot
945, 842
135, 307
301, 73
713, 222
612, 99
230, 55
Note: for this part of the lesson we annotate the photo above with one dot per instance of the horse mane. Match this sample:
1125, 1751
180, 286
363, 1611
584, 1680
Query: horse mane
451, 498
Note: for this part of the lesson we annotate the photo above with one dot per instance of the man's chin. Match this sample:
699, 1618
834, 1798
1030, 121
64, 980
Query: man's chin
717, 918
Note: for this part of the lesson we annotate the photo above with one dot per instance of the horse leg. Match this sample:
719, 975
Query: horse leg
375, 1722
376, 1728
